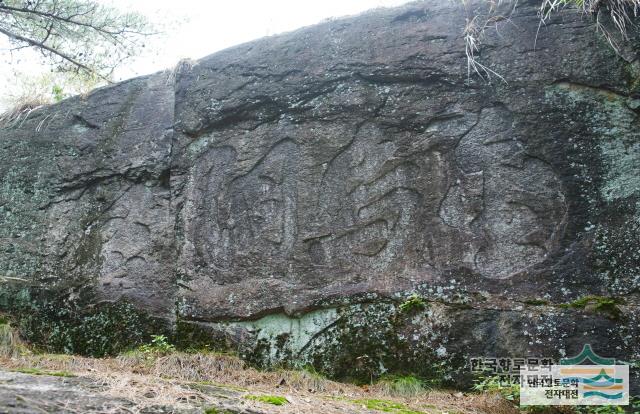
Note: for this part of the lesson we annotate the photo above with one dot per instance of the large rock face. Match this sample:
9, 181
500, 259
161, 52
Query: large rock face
286, 197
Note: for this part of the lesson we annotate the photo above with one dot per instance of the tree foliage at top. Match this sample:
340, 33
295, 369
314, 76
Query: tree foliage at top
76, 36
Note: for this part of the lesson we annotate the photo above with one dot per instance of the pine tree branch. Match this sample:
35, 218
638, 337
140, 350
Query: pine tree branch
43, 46
71, 20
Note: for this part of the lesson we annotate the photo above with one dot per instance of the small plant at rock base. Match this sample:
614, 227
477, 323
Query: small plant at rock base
412, 304
57, 92
159, 346
498, 384
268, 399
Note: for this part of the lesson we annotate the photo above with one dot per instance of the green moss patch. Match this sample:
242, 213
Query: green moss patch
536, 302
605, 305
214, 410
386, 406
268, 399
38, 371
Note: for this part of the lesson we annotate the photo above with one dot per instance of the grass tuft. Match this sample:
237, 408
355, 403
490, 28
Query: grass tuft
307, 379
10, 343
620, 12
401, 386
21, 111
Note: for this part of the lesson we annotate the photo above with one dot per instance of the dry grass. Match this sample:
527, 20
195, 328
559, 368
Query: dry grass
176, 380
184, 65
8, 341
188, 380
188, 367
21, 109
621, 12
11, 345
473, 33
399, 387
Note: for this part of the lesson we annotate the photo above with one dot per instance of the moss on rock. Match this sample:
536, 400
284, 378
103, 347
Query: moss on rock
599, 304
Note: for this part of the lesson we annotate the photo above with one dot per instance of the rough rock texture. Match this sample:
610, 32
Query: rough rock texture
35, 394
287, 195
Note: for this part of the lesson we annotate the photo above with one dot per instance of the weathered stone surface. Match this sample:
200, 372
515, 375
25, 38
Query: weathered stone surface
30, 394
35, 394
85, 196
288, 194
